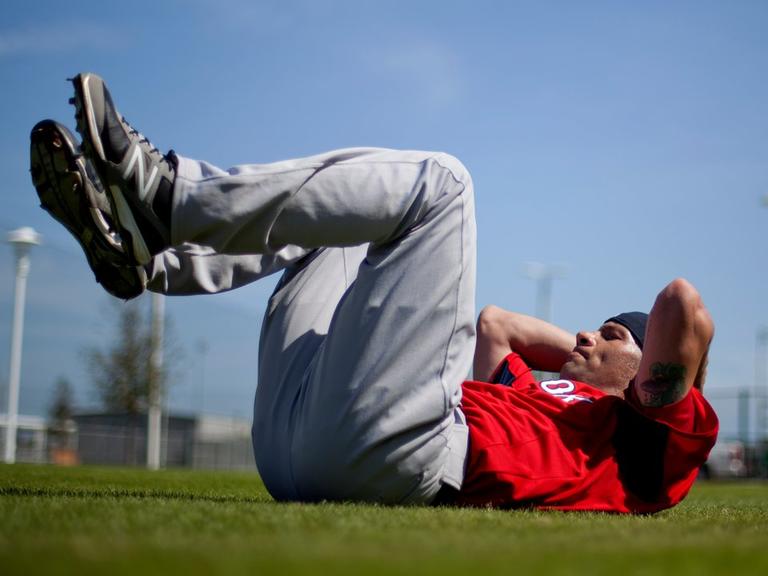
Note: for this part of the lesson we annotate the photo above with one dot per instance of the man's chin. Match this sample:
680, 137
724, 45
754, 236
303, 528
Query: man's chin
566, 370
572, 371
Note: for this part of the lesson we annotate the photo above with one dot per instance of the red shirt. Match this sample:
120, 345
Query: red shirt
568, 446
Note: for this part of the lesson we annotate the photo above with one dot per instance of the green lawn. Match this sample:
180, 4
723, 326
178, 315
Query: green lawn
126, 521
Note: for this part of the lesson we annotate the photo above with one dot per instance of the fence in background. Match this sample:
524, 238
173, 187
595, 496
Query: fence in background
205, 442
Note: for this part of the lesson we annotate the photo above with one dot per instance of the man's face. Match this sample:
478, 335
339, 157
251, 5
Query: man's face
607, 359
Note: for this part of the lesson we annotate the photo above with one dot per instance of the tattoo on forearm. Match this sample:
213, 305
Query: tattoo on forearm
665, 386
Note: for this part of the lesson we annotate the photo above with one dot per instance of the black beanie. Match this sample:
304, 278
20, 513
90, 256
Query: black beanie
634, 322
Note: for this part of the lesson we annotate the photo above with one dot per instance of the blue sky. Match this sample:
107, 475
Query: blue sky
624, 140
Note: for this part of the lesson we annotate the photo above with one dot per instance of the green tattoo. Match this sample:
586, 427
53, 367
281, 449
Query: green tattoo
668, 372
666, 385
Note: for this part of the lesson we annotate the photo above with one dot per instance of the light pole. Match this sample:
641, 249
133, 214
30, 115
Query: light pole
543, 275
202, 349
761, 382
761, 388
22, 241
156, 381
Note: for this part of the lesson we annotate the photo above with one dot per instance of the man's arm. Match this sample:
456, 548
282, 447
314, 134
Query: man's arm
543, 346
677, 340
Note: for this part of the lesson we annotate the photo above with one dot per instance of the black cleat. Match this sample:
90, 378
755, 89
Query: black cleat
70, 191
138, 179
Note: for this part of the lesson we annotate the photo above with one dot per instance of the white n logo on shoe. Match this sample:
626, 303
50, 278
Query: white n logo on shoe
136, 162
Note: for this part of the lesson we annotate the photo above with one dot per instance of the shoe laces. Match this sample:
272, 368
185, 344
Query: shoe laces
152, 148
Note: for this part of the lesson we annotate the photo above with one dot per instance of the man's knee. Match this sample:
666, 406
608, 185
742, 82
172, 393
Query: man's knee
456, 168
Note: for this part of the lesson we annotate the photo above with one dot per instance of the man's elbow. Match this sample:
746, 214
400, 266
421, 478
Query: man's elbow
489, 322
681, 301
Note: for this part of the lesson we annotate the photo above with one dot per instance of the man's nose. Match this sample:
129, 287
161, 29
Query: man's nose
585, 339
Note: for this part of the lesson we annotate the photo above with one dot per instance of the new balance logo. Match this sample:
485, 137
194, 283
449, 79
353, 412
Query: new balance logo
136, 163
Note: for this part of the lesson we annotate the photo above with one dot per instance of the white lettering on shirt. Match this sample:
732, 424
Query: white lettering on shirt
562, 389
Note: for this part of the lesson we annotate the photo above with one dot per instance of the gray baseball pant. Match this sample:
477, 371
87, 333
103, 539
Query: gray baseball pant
370, 332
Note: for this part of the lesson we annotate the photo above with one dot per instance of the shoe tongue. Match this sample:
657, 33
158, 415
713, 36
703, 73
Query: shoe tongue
99, 197
114, 133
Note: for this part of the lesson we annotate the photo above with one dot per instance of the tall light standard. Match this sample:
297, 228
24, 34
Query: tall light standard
761, 390
202, 352
543, 275
156, 382
761, 382
22, 241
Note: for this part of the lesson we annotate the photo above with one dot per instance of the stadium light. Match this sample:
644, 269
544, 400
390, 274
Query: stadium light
761, 381
543, 275
22, 241
155, 392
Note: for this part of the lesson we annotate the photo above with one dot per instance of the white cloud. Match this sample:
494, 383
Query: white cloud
56, 38
430, 68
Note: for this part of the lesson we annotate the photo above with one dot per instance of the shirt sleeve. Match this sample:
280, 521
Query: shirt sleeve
659, 450
513, 371
691, 415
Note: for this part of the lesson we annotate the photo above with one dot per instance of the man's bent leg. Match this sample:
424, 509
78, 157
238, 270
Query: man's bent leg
294, 328
341, 198
295, 323
192, 269
374, 414
377, 419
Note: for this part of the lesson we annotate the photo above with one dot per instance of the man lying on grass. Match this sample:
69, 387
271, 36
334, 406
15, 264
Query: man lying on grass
370, 333
625, 428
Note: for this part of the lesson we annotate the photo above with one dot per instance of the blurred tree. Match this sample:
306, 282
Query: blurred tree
62, 437
120, 370
62, 406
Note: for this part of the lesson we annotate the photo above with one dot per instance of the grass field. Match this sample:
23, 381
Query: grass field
127, 521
